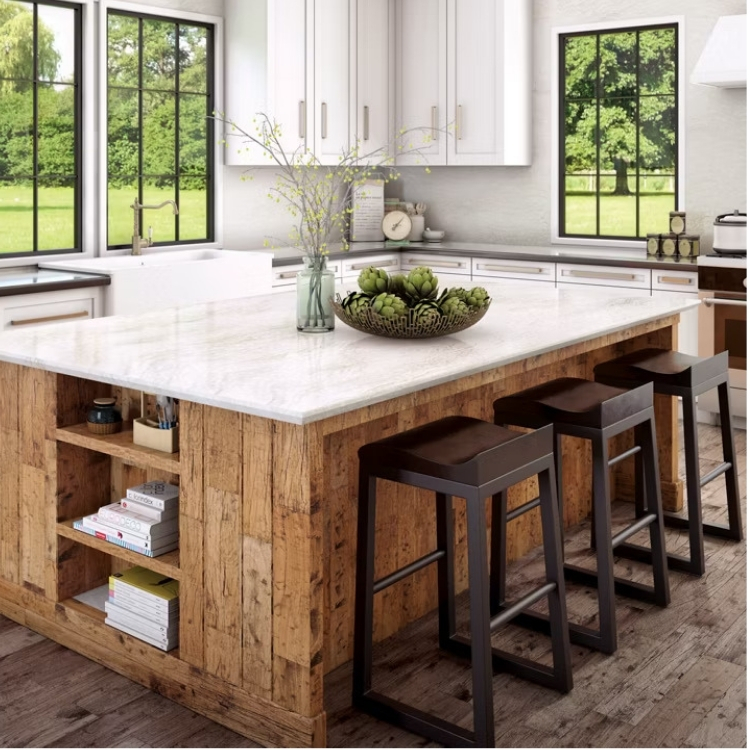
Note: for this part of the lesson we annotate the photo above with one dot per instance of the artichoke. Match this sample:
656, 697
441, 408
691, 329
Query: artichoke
456, 291
477, 298
425, 312
355, 304
373, 280
398, 283
389, 306
454, 306
421, 284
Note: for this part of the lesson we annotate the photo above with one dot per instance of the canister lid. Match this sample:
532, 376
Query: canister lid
690, 237
104, 401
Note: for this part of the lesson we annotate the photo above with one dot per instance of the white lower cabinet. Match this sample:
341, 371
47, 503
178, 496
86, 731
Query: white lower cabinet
284, 278
43, 308
604, 276
352, 267
680, 284
523, 270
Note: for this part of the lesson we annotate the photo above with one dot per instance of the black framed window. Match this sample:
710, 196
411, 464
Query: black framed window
618, 132
40, 127
160, 139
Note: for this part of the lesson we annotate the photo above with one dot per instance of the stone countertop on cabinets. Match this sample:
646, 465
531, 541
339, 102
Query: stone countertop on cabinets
555, 254
246, 355
32, 280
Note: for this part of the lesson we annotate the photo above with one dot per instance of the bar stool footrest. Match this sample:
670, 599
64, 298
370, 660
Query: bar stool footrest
623, 587
400, 714
709, 529
643, 554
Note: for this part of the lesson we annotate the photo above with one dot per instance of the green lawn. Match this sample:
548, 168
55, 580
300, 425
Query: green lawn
56, 217
618, 214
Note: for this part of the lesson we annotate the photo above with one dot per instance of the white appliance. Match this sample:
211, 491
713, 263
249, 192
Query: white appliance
723, 62
730, 234
722, 325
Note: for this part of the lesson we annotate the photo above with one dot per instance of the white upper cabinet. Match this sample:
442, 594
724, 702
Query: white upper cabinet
464, 67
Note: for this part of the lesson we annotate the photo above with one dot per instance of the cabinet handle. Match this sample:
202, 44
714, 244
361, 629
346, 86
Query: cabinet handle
360, 266
286, 275
684, 280
601, 275
51, 318
511, 269
712, 301
434, 121
459, 121
301, 116
323, 120
367, 123
438, 263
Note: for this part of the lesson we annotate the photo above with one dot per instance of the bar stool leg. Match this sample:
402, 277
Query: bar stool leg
646, 437
732, 481
479, 604
445, 570
365, 591
697, 564
499, 552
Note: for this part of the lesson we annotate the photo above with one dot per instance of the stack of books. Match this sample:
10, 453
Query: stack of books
145, 521
145, 605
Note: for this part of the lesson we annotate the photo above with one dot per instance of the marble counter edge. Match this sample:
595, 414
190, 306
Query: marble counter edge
57, 286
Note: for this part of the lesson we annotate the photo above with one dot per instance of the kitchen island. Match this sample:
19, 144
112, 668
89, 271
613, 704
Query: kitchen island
270, 424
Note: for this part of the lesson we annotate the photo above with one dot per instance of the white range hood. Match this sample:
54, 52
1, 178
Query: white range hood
723, 62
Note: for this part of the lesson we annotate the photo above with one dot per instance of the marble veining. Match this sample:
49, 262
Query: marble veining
246, 354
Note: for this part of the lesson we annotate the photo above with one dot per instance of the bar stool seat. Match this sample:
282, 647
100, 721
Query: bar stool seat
676, 374
472, 459
597, 412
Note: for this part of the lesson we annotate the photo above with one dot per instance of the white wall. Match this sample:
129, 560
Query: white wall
512, 204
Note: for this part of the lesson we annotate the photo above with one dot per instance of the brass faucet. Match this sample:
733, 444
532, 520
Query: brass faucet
138, 242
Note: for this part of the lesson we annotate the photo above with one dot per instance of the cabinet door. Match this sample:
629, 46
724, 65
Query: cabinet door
375, 61
489, 81
421, 79
30, 310
333, 75
501, 268
687, 330
441, 265
604, 276
352, 267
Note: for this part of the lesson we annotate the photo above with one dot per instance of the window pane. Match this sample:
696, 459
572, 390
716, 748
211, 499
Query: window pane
123, 137
163, 220
17, 211
17, 129
56, 44
580, 206
618, 64
580, 67
193, 209
617, 147
56, 148
193, 50
656, 205
617, 215
56, 211
158, 133
193, 135
658, 126
120, 196
159, 40
17, 41
122, 50
657, 61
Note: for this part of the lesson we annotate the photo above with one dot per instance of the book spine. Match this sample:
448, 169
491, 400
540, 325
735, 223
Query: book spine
149, 606
129, 522
126, 545
163, 644
141, 623
140, 540
143, 610
149, 511
155, 502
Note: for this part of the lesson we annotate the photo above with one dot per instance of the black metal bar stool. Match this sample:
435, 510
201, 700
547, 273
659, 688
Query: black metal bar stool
472, 459
676, 374
596, 412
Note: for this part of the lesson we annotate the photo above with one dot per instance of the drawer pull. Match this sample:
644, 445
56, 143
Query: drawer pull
512, 269
459, 122
433, 122
301, 117
287, 275
51, 318
366, 134
438, 263
360, 266
683, 280
323, 120
601, 275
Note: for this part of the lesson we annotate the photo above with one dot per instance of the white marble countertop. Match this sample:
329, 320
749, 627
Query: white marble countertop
246, 355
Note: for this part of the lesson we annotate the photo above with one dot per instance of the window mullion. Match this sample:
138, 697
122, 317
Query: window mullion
35, 127
177, 129
638, 134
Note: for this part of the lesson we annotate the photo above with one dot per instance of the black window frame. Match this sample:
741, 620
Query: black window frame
76, 177
562, 100
210, 129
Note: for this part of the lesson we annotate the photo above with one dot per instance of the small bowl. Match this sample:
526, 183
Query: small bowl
433, 235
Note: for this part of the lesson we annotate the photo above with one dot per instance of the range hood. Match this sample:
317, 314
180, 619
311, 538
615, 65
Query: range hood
723, 62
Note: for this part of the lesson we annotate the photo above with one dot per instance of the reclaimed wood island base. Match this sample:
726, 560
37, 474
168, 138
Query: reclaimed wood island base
267, 523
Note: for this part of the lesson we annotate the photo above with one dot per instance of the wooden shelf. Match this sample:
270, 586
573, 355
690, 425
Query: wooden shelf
167, 564
120, 445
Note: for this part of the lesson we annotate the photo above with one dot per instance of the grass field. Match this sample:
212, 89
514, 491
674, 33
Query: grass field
618, 214
56, 217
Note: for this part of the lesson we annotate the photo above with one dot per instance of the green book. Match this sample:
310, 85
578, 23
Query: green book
145, 580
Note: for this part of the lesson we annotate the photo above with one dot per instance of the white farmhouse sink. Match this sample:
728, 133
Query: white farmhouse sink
141, 283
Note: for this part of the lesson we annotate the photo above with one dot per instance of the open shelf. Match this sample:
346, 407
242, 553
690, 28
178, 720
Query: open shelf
120, 445
167, 564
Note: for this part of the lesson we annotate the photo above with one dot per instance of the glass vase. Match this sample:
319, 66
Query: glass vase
316, 286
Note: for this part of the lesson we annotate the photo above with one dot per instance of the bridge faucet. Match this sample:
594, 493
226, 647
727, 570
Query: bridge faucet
138, 242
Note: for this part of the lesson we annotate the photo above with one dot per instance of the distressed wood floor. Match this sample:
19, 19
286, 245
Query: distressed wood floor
678, 678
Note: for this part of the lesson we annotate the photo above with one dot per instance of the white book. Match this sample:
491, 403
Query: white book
135, 523
99, 527
139, 607
140, 623
161, 495
163, 643
149, 511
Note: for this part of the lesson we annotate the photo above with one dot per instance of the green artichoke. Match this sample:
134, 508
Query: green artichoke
425, 312
455, 291
478, 298
389, 306
454, 306
356, 303
373, 280
398, 283
421, 284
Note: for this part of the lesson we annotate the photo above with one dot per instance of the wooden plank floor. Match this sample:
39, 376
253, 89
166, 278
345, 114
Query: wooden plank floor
678, 678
